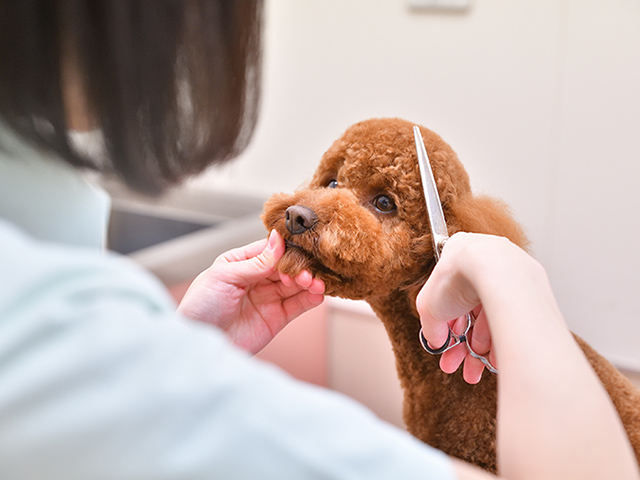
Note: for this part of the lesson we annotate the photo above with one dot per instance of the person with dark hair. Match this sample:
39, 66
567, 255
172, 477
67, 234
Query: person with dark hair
173, 86
101, 377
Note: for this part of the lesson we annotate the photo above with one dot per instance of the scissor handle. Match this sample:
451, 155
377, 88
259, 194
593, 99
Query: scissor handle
436, 351
454, 339
485, 361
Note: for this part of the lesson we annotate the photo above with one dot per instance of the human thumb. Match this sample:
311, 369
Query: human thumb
262, 265
436, 332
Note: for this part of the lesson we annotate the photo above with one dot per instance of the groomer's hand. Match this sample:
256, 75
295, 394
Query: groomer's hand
476, 269
556, 418
242, 294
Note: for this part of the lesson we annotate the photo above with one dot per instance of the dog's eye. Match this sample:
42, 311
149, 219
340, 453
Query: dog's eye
333, 183
384, 204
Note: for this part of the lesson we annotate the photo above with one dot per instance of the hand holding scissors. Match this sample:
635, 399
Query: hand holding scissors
440, 235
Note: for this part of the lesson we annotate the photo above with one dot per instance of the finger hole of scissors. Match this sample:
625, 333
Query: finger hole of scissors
481, 358
434, 351
462, 326
452, 341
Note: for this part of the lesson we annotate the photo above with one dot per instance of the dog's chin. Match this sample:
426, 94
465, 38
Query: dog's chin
296, 259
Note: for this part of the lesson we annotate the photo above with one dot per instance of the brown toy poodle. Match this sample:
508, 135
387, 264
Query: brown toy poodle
362, 227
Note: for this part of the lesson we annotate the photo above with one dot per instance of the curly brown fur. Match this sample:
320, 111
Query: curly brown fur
368, 238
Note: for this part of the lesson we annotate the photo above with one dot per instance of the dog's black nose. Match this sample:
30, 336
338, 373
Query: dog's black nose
299, 219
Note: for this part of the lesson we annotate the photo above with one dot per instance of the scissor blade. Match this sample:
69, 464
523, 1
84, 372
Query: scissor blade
437, 222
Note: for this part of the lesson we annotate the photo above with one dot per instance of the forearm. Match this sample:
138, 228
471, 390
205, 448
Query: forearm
555, 419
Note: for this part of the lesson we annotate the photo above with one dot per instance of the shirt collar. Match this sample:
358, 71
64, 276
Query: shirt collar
48, 198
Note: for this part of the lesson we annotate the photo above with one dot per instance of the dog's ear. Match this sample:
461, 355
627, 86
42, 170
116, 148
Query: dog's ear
482, 214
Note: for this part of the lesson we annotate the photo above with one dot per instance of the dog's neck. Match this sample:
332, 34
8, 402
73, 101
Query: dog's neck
397, 313
435, 402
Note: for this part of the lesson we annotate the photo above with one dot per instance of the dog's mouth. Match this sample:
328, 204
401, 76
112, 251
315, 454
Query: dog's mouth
290, 244
315, 265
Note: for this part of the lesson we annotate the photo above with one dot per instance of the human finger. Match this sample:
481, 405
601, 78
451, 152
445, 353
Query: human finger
453, 358
307, 281
303, 301
481, 336
286, 279
479, 339
254, 268
446, 295
434, 329
304, 279
472, 370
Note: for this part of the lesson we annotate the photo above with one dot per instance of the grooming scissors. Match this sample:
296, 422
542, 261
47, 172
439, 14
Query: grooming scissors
440, 235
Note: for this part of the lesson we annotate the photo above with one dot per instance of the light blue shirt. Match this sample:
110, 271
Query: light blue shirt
98, 379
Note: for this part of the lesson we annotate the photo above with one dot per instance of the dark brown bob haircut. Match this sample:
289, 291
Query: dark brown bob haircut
172, 85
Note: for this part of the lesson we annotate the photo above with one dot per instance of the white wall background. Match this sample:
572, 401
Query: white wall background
540, 98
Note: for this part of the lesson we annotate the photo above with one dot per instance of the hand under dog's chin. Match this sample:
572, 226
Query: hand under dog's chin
295, 260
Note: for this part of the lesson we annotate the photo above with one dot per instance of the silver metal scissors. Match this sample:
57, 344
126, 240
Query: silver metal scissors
440, 235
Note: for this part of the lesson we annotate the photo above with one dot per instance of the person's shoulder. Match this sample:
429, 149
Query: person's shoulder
40, 276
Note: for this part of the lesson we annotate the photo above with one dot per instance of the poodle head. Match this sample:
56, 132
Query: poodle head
362, 226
